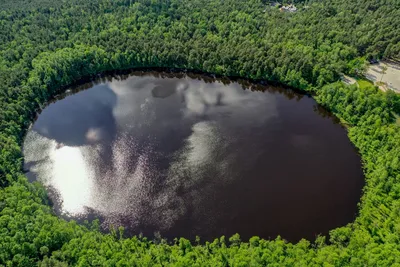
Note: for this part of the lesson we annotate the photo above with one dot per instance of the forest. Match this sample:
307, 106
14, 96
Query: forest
48, 45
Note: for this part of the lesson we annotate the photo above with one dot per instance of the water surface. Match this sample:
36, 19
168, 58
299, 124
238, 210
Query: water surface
189, 155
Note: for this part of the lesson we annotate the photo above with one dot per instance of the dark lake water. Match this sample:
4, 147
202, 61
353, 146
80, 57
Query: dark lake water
186, 155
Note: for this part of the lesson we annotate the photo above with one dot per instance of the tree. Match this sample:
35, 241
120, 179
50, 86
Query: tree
384, 69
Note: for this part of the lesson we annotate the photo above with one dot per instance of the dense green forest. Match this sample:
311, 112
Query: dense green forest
47, 45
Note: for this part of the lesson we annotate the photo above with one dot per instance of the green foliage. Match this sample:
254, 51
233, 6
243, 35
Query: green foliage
357, 67
364, 84
48, 45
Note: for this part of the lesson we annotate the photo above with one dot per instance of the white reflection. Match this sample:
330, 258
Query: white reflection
126, 184
190, 168
93, 135
63, 168
129, 183
133, 100
72, 178
229, 103
201, 144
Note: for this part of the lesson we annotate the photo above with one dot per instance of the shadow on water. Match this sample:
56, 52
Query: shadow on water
82, 117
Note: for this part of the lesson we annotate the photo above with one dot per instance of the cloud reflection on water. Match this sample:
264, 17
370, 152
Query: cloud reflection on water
179, 155
132, 184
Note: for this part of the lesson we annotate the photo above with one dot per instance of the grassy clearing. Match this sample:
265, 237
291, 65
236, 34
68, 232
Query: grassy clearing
397, 119
363, 83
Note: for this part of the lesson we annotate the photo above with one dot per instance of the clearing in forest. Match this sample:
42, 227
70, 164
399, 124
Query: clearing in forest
386, 74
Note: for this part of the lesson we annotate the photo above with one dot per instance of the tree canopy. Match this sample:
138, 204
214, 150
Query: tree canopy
46, 46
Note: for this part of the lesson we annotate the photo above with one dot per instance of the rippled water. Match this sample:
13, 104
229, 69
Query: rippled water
194, 156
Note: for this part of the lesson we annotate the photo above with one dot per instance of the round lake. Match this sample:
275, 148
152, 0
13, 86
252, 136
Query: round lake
187, 155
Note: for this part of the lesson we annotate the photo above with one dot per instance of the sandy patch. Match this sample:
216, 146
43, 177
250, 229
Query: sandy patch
391, 77
348, 80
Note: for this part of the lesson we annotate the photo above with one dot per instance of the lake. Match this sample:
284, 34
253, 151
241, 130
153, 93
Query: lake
185, 155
